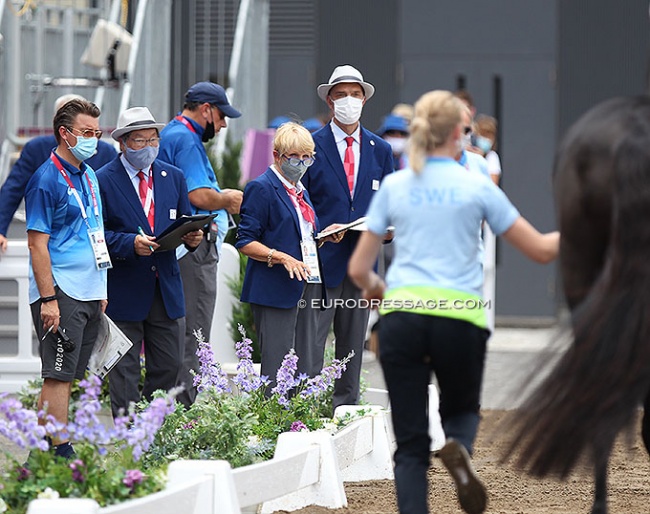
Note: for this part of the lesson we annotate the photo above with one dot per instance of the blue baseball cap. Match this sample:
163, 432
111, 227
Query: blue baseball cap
213, 94
393, 122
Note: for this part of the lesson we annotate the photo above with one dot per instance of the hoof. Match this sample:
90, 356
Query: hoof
599, 507
471, 493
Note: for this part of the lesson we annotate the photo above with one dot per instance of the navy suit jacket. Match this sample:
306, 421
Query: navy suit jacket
35, 152
330, 194
132, 280
268, 216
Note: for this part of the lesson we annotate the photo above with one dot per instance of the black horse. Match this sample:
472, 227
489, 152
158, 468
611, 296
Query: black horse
601, 184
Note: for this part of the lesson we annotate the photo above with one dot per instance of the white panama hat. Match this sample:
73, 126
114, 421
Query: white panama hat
341, 74
135, 118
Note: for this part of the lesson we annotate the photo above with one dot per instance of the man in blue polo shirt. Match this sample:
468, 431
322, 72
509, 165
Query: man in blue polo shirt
68, 258
35, 152
204, 115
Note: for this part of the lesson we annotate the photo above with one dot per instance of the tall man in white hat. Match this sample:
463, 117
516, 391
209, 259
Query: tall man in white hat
350, 164
142, 196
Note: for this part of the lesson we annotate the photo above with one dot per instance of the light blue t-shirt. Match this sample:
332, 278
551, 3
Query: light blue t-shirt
51, 208
437, 216
474, 162
184, 149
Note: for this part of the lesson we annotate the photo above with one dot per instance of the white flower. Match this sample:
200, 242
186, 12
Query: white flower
48, 494
3, 505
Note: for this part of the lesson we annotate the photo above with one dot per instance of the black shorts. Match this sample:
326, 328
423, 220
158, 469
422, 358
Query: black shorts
81, 321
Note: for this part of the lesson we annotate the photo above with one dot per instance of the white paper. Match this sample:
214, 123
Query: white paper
111, 345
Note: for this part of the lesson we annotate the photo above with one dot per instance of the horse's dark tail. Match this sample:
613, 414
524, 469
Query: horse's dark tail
595, 388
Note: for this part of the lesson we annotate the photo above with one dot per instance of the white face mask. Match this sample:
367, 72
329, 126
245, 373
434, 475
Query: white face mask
348, 110
398, 144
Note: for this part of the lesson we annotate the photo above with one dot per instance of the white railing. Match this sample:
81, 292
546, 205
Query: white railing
309, 468
16, 370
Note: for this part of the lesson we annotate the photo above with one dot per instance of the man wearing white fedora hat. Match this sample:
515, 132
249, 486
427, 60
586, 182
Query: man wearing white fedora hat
350, 164
142, 196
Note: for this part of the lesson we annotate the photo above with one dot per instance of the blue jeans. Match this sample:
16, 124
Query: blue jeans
411, 348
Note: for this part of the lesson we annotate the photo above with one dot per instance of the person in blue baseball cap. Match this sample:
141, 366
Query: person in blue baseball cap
204, 114
395, 131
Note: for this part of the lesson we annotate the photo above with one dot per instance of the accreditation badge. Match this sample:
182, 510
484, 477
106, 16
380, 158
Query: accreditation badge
98, 242
310, 258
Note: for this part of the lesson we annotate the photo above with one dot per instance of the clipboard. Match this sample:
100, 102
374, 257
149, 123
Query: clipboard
110, 347
342, 228
170, 238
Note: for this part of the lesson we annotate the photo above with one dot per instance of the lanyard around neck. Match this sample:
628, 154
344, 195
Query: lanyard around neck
186, 123
74, 192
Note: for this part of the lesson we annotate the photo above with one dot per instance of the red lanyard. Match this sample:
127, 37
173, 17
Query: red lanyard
61, 169
186, 123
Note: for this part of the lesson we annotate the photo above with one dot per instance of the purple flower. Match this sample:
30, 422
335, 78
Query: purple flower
284, 378
247, 379
210, 373
298, 426
321, 383
21, 426
23, 473
190, 424
132, 477
78, 467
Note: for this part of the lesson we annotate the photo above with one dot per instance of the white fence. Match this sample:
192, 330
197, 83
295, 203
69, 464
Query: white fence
309, 468
17, 369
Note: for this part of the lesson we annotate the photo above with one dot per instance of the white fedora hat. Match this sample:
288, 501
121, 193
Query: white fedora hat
345, 73
135, 118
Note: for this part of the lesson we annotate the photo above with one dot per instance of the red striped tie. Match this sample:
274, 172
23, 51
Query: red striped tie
348, 163
305, 209
145, 187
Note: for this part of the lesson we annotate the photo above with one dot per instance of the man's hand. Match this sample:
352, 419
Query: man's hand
144, 245
234, 198
3, 244
50, 315
193, 239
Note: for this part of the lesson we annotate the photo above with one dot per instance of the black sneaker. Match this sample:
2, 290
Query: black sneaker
64, 450
471, 492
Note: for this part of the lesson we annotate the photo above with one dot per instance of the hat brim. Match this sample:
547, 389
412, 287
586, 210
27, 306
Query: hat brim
118, 133
229, 111
324, 89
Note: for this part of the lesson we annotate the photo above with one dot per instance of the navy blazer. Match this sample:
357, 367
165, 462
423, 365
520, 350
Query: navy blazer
268, 216
35, 152
132, 280
330, 194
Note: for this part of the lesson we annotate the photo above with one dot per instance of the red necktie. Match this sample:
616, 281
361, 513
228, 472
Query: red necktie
305, 208
144, 188
348, 163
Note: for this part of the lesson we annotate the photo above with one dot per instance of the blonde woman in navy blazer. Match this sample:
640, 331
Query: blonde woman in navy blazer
278, 283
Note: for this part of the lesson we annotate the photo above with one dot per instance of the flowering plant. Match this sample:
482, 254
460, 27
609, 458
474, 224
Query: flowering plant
105, 467
242, 424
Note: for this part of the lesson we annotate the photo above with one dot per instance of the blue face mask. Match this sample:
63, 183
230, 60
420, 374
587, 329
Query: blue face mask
483, 144
143, 158
85, 147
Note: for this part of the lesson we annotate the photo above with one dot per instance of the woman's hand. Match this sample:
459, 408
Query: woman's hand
297, 269
334, 238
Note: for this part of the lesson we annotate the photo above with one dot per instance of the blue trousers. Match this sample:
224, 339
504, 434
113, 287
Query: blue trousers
411, 348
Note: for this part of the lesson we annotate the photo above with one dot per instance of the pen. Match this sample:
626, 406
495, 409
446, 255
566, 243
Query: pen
141, 232
49, 330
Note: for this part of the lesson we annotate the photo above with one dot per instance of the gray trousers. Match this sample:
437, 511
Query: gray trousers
279, 330
350, 325
163, 348
199, 274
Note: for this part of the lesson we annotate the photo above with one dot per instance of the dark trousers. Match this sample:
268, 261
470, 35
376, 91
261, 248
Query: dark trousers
412, 347
199, 274
163, 344
350, 325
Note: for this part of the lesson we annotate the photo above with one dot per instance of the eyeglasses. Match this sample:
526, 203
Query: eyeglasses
86, 132
139, 143
294, 161
467, 130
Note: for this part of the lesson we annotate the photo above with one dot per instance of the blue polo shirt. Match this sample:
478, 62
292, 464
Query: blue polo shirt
183, 148
437, 216
51, 208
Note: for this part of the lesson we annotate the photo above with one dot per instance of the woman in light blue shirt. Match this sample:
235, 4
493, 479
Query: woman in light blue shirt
434, 316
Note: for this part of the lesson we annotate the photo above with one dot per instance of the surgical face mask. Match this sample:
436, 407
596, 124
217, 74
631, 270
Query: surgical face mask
466, 140
483, 144
143, 158
293, 173
84, 149
398, 144
348, 110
